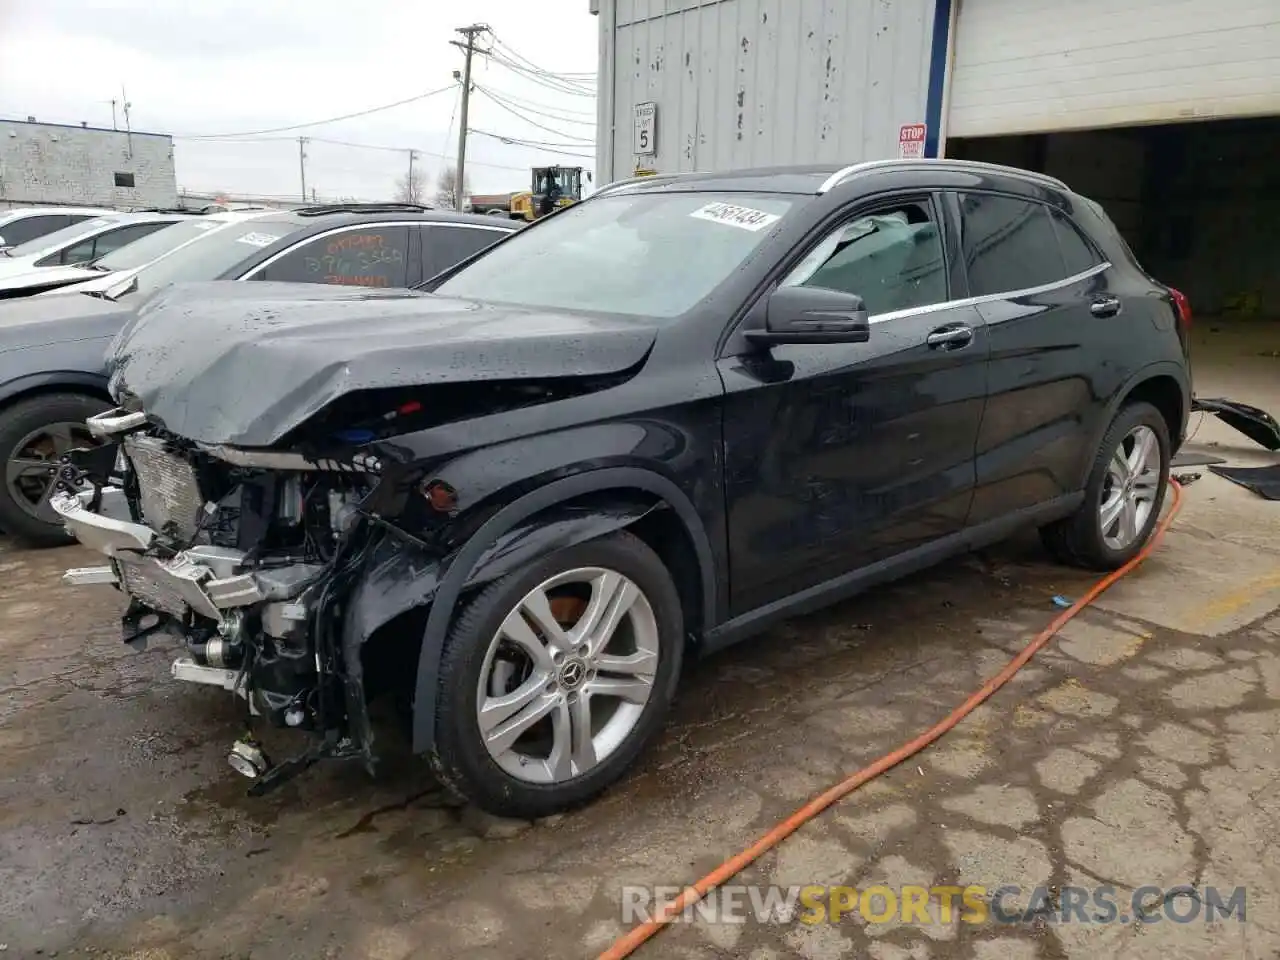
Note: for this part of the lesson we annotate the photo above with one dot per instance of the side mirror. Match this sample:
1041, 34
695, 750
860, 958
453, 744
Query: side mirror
2, 243
813, 315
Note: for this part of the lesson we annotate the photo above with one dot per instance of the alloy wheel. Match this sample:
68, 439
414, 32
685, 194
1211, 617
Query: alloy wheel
567, 675
1130, 488
32, 468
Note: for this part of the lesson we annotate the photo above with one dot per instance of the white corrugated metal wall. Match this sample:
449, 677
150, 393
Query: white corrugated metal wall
746, 83
1023, 66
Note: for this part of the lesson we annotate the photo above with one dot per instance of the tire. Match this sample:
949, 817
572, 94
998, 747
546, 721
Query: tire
460, 757
17, 423
1080, 539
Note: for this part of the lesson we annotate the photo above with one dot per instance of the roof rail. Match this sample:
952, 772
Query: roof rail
164, 210
840, 176
327, 208
647, 178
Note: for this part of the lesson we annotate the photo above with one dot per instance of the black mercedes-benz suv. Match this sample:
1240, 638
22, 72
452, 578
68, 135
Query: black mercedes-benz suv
642, 428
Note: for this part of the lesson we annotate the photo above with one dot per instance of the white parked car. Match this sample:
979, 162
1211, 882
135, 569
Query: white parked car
55, 259
27, 223
114, 273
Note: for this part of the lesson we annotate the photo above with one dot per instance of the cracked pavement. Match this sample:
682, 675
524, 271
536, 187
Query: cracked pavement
1137, 749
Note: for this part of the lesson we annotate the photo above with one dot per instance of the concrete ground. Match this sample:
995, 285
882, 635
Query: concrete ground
1138, 749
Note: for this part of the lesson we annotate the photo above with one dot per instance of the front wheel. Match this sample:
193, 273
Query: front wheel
34, 434
555, 678
1123, 498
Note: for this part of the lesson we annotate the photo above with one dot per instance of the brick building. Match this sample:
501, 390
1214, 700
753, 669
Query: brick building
48, 164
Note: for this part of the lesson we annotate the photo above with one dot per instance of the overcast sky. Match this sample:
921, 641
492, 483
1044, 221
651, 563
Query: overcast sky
242, 66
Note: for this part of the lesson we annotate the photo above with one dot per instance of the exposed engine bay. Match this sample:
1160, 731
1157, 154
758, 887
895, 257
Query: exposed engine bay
238, 562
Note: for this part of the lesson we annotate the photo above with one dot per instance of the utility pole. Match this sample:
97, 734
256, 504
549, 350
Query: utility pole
302, 165
460, 175
412, 194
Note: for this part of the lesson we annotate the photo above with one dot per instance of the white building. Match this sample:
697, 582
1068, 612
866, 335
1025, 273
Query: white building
47, 164
1167, 113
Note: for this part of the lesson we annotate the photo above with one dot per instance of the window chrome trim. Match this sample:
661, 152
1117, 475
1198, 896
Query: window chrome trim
349, 227
991, 297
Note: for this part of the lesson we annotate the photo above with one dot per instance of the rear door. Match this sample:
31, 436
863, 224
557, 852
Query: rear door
1043, 290
442, 245
841, 455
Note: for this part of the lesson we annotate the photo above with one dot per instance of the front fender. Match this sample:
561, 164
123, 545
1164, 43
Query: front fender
66, 379
401, 577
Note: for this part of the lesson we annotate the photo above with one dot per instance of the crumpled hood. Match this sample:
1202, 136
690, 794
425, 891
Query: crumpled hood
245, 363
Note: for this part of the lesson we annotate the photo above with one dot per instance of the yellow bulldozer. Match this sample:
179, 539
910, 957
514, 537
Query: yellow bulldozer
553, 188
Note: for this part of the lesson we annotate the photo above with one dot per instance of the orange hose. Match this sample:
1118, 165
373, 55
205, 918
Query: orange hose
628, 943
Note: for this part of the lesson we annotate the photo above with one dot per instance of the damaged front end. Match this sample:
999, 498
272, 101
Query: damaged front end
245, 557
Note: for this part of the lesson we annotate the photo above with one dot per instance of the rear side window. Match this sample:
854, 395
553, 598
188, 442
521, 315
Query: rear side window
28, 228
372, 256
1009, 244
444, 246
1078, 254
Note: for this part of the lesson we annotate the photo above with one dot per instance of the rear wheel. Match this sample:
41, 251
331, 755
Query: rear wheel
555, 678
1123, 498
34, 434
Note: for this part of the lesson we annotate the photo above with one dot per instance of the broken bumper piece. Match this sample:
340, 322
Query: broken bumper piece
205, 580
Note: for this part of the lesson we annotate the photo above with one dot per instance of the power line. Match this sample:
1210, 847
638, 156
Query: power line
535, 123
514, 54
317, 123
537, 113
535, 105
535, 145
539, 79
544, 80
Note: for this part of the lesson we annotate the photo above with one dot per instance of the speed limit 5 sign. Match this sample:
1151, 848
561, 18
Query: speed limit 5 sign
645, 135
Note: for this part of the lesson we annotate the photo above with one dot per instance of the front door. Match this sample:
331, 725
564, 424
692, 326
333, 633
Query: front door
838, 456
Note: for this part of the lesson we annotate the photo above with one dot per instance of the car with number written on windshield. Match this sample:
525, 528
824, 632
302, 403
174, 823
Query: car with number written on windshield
515, 502
53, 346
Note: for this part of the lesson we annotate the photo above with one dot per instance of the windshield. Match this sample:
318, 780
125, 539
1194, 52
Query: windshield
653, 255
153, 245
60, 238
213, 254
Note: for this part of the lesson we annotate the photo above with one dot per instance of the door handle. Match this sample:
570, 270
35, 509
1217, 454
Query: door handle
950, 337
1105, 306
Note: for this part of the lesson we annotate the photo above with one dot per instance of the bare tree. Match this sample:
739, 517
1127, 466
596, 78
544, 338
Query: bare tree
410, 191
447, 187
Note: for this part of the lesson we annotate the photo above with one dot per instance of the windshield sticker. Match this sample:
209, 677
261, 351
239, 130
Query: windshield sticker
258, 239
742, 217
98, 222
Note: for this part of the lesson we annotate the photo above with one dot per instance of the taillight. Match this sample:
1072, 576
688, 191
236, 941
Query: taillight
1183, 306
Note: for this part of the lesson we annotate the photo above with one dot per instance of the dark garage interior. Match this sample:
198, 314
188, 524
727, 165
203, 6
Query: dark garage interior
1199, 202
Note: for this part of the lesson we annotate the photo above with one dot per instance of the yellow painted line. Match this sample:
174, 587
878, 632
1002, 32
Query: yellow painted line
1233, 602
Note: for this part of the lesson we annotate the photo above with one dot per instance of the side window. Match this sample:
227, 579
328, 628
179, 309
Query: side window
1009, 244
372, 256
28, 228
105, 243
891, 257
443, 246
1078, 253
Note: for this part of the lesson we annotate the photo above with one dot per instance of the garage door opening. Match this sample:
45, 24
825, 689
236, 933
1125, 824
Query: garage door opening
1199, 203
